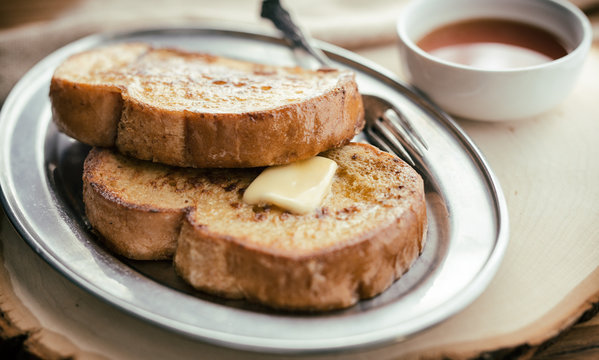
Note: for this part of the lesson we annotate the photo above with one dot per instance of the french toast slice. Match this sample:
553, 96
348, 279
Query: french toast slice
365, 235
199, 110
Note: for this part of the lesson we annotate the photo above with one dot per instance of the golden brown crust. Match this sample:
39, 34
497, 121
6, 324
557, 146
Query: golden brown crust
367, 233
85, 112
95, 100
131, 230
332, 279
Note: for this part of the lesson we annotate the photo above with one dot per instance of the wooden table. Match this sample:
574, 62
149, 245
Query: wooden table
22, 332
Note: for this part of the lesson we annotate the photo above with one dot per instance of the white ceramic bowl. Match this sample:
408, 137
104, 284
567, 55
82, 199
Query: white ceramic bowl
494, 95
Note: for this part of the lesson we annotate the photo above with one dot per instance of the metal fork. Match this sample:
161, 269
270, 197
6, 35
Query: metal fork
385, 125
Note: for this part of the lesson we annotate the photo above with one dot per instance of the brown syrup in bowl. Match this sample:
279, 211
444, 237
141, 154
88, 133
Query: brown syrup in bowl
493, 44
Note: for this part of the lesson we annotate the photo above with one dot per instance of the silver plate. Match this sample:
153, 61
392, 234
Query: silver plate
40, 176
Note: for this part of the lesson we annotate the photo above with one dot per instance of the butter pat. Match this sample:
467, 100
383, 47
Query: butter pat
298, 187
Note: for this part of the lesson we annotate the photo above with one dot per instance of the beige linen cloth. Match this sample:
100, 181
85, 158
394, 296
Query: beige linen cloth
347, 23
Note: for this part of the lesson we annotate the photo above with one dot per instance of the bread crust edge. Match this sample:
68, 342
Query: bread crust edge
331, 278
108, 116
130, 230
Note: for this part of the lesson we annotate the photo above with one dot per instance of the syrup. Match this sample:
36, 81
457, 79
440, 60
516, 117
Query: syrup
493, 44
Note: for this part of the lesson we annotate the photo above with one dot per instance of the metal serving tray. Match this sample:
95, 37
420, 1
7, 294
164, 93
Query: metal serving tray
40, 176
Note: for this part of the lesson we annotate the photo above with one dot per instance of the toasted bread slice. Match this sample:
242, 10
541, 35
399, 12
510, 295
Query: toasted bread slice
198, 110
368, 231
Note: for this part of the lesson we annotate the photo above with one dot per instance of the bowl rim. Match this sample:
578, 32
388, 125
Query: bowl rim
581, 49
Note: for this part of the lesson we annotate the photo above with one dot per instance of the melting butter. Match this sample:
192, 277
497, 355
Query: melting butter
298, 187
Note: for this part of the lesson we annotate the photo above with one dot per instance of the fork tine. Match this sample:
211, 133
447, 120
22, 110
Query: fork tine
388, 141
388, 120
379, 141
392, 139
393, 126
399, 120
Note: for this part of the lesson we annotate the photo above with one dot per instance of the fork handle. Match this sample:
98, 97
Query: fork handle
272, 10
